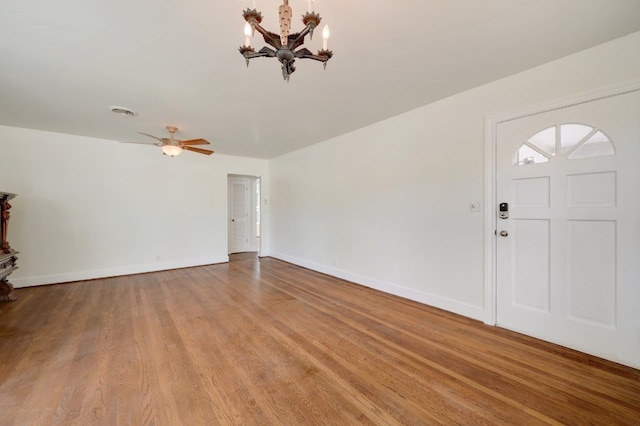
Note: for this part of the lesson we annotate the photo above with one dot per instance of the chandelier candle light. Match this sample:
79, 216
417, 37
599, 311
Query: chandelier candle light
285, 43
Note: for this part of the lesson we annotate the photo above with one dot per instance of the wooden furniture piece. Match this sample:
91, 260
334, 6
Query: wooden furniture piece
8, 256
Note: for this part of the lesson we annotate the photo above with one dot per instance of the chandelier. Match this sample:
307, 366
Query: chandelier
287, 47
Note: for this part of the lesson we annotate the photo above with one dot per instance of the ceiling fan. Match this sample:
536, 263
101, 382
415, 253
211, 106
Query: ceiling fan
172, 147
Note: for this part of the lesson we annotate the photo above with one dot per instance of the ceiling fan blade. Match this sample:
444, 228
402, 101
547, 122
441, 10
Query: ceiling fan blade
195, 142
151, 136
198, 150
143, 143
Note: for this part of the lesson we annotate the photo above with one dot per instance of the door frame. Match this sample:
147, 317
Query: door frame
490, 177
254, 202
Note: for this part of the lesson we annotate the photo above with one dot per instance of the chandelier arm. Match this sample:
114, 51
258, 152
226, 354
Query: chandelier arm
306, 54
315, 58
299, 40
262, 53
302, 53
269, 37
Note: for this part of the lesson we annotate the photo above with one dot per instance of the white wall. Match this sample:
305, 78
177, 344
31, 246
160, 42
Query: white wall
89, 208
388, 205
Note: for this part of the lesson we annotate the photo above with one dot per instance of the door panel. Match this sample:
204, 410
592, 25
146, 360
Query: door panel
531, 192
568, 267
592, 190
592, 271
530, 274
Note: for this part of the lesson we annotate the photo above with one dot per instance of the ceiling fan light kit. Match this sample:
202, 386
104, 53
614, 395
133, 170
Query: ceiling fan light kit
172, 146
284, 44
171, 150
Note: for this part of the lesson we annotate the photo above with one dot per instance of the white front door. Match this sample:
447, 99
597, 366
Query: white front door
568, 259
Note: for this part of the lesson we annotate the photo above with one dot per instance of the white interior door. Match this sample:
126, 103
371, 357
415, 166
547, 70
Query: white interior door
568, 261
238, 215
244, 213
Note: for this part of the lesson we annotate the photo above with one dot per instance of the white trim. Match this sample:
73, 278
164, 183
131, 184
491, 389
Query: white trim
616, 89
490, 221
490, 145
464, 309
114, 272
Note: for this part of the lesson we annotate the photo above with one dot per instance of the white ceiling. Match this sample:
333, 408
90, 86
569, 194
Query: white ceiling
65, 62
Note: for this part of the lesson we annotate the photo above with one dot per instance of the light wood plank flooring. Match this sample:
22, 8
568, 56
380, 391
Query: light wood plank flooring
266, 342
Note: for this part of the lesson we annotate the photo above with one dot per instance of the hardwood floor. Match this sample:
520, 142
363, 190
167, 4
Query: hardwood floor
266, 342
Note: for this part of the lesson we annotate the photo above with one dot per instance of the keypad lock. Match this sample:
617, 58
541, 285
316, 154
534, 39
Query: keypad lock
503, 211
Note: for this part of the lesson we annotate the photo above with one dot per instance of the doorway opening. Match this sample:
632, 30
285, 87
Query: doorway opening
243, 216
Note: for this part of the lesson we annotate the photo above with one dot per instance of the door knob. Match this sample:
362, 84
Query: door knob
504, 233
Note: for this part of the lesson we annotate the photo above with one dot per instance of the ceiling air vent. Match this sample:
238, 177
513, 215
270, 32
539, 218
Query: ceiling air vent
122, 111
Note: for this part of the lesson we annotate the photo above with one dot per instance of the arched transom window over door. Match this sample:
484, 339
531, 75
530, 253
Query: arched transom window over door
570, 140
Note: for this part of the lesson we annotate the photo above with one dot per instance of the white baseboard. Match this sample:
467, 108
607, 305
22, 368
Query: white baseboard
450, 305
464, 309
114, 272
